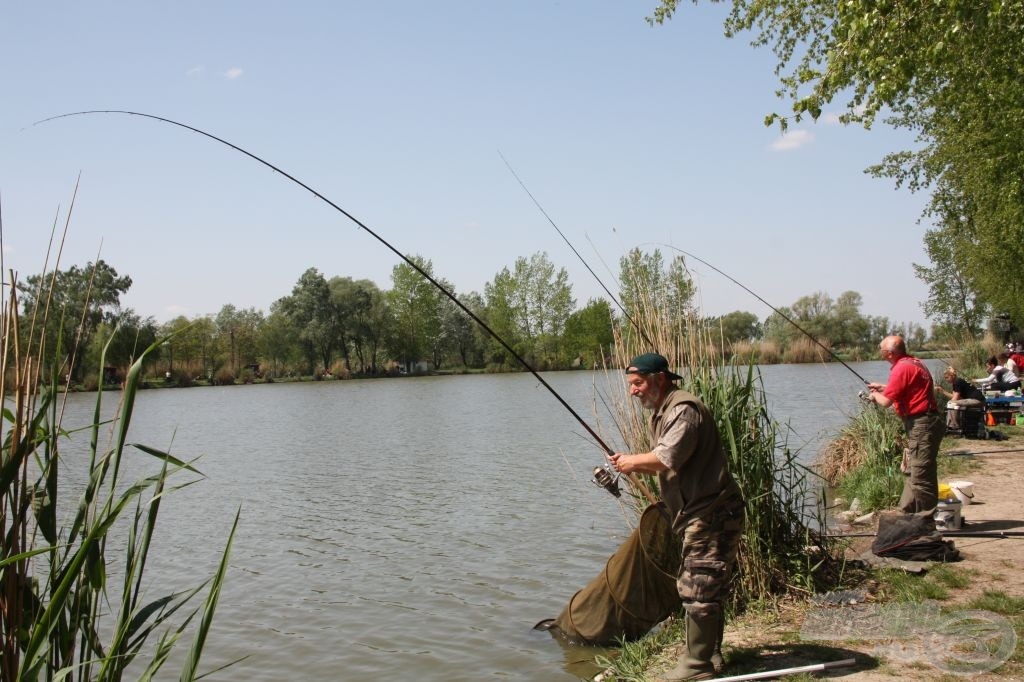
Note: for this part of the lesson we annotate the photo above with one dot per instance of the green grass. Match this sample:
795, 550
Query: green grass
899, 586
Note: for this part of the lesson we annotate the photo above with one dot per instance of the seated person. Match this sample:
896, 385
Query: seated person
999, 378
1007, 361
962, 395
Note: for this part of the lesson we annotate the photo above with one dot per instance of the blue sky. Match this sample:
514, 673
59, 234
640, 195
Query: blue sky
628, 136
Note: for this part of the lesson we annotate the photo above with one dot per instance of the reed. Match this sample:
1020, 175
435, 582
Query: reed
804, 350
57, 593
784, 511
863, 462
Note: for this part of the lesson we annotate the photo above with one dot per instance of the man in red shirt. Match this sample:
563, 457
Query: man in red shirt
911, 393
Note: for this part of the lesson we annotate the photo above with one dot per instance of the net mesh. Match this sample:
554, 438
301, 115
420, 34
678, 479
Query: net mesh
635, 591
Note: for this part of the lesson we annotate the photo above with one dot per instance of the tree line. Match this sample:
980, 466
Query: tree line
343, 326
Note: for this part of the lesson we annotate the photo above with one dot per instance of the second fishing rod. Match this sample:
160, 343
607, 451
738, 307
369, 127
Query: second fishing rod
633, 321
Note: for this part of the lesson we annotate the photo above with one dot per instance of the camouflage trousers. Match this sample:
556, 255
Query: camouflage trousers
709, 552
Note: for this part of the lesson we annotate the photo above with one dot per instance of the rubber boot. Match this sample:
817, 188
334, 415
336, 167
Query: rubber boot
695, 664
717, 659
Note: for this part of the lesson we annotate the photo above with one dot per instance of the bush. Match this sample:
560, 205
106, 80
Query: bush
224, 377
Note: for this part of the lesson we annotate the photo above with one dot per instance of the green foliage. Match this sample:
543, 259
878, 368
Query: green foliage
734, 327
70, 305
237, 339
528, 307
416, 306
648, 290
837, 323
863, 462
588, 333
313, 315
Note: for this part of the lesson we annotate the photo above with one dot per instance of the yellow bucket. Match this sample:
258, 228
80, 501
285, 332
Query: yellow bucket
946, 492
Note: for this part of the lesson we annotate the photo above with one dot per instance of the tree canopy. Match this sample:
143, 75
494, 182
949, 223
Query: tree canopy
951, 73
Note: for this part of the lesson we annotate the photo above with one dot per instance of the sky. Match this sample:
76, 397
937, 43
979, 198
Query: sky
401, 113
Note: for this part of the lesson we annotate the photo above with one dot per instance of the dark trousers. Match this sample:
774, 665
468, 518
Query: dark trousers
921, 487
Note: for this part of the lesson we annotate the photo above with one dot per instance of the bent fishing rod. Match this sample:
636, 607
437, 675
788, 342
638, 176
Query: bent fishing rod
610, 483
686, 253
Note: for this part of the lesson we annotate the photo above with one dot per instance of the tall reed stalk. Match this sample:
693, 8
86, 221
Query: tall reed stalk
783, 547
56, 589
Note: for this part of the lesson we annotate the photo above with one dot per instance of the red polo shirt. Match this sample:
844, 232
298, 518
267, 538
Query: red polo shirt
910, 387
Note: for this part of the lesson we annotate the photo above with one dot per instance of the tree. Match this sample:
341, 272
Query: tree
461, 333
415, 304
237, 334
73, 303
951, 73
190, 347
850, 328
735, 326
276, 343
128, 336
314, 316
650, 291
953, 299
528, 305
589, 333
365, 319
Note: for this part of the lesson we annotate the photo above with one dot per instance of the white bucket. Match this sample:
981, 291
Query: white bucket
964, 491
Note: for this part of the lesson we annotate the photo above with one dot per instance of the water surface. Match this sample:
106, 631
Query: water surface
409, 528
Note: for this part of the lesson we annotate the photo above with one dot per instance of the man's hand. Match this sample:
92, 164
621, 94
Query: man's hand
621, 462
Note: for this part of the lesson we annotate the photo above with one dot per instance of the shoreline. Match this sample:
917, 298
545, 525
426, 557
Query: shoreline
985, 580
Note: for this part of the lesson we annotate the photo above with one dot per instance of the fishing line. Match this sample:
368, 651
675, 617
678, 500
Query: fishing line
776, 310
582, 260
409, 261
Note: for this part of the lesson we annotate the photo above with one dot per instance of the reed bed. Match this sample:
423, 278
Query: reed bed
863, 461
62, 614
803, 350
782, 551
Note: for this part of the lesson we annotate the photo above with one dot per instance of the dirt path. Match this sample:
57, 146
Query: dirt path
990, 564
987, 564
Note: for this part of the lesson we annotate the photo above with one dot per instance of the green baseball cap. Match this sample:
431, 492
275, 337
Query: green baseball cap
651, 363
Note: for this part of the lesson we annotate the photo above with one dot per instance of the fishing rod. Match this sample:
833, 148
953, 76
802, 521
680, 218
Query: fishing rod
1007, 534
609, 485
686, 253
960, 453
573, 248
776, 310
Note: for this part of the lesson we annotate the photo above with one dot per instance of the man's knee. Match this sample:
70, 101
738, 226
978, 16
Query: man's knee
703, 581
701, 610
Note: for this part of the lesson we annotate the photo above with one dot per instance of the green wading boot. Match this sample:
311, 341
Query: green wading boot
695, 664
717, 660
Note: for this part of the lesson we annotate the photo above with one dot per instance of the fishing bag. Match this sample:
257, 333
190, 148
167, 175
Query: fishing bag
635, 591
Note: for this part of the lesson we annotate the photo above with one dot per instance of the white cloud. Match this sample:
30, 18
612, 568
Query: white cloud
830, 119
195, 71
233, 73
793, 139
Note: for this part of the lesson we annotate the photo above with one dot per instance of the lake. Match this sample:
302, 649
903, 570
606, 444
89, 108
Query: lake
404, 528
